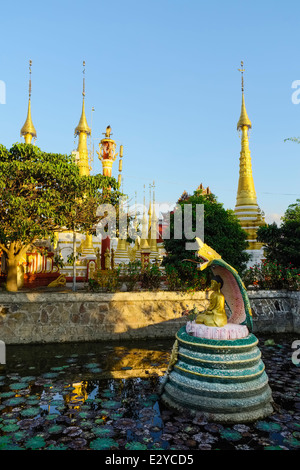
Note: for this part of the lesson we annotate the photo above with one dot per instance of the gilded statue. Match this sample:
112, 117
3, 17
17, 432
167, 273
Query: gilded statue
215, 314
60, 281
112, 260
107, 258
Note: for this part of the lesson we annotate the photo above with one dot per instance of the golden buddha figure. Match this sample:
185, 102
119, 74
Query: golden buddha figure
215, 314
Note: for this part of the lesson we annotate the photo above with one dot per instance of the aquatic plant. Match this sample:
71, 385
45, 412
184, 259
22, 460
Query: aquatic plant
35, 442
230, 434
30, 412
103, 444
268, 426
135, 445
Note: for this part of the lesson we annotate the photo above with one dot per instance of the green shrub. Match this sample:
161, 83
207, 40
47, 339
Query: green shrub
271, 275
151, 277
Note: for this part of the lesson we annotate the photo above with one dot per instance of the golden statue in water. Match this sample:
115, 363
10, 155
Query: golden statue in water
215, 314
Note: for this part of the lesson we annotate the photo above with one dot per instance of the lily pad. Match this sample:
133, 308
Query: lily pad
14, 401
274, 448
7, 394
125, 424
7, 444
55, 429
18, 385
28, 378
116, 415
292, 442
230, 434
56, 402
20, 435
10, 428
86, 424
32, 400
103, 431
103, 444
135, 445
57, 447
49, 375
36, 442
269, 427
73, 431
111, 404
51, 416
30, 412
108, 394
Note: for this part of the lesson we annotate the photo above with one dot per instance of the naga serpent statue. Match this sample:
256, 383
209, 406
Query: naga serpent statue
215, 367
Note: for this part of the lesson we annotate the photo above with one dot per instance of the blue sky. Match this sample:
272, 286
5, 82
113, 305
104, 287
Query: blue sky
163, 74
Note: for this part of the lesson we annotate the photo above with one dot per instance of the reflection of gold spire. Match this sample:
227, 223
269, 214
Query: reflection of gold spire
244, 120
28, 130
83, 130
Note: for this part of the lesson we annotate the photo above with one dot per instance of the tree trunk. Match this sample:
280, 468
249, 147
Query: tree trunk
12, 274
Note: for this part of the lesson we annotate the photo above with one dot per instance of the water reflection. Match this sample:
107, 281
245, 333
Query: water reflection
105, 396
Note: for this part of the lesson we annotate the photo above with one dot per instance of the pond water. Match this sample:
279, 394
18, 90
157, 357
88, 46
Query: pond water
105, 396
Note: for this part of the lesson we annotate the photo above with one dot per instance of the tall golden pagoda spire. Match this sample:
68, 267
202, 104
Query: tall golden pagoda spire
246, 207
153, 228
144, 234
28, 131
83, 130
244, 120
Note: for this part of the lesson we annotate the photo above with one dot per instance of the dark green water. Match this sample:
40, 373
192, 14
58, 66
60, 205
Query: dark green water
105, 396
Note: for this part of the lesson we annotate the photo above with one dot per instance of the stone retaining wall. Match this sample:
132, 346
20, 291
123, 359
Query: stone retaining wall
37, 317
275, 311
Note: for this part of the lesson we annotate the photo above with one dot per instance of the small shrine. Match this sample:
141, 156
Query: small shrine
216, 367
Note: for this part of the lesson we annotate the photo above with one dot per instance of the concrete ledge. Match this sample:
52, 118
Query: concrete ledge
54, 317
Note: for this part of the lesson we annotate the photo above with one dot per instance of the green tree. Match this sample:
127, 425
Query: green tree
41, 193
283, 242
222, 231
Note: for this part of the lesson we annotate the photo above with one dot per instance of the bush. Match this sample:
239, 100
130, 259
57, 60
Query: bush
151, 277
185, 277
105, 281
131, 274
272, 275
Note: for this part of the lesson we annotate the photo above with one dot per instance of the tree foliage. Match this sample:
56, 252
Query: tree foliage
283, 242
222, 231
43, 192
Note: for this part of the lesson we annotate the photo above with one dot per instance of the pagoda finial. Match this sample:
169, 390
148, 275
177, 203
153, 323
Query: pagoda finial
83, 125
28, 131
244, 120
83, 81
242, 70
